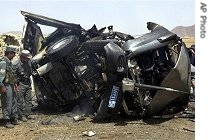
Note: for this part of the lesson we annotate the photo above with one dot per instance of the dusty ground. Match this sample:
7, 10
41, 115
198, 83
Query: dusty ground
51, 126
188, 41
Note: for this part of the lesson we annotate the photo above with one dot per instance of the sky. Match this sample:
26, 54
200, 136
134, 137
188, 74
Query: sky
127, 16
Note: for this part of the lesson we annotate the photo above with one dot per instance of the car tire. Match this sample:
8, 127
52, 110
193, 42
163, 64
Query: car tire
63, 47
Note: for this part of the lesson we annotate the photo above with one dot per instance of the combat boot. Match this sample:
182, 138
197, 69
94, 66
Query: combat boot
23, 119
14, 121
8, 124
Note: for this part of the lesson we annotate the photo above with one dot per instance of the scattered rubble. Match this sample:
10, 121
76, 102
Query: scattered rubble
89, 133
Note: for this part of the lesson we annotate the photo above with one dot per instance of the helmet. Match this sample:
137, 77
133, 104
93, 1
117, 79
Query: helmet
11, 48
192, 47
26, 53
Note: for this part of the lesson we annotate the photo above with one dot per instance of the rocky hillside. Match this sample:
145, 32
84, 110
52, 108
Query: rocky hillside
17, 33
184, 31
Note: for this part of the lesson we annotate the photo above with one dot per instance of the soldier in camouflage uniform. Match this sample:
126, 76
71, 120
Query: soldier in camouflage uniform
24, 95
7, 84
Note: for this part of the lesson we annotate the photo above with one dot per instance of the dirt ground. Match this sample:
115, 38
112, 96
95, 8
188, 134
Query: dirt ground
61, 126
188, 41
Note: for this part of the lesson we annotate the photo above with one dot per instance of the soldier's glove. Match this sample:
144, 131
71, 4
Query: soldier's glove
3, 89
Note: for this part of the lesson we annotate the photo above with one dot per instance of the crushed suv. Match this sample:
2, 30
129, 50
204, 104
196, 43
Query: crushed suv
117, 73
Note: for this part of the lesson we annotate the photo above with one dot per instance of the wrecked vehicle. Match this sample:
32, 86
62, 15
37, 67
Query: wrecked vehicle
144, 76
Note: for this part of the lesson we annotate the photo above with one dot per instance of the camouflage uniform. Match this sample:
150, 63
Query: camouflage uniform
8, 99
24, 95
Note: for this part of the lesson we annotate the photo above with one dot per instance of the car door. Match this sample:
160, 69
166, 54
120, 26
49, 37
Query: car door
32, 37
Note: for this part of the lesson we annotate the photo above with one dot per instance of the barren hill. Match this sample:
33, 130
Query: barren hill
14, 33
184, 31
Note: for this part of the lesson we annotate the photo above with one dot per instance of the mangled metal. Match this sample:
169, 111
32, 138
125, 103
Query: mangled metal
116, 72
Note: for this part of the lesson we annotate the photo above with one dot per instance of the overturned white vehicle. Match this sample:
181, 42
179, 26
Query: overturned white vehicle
117, 73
